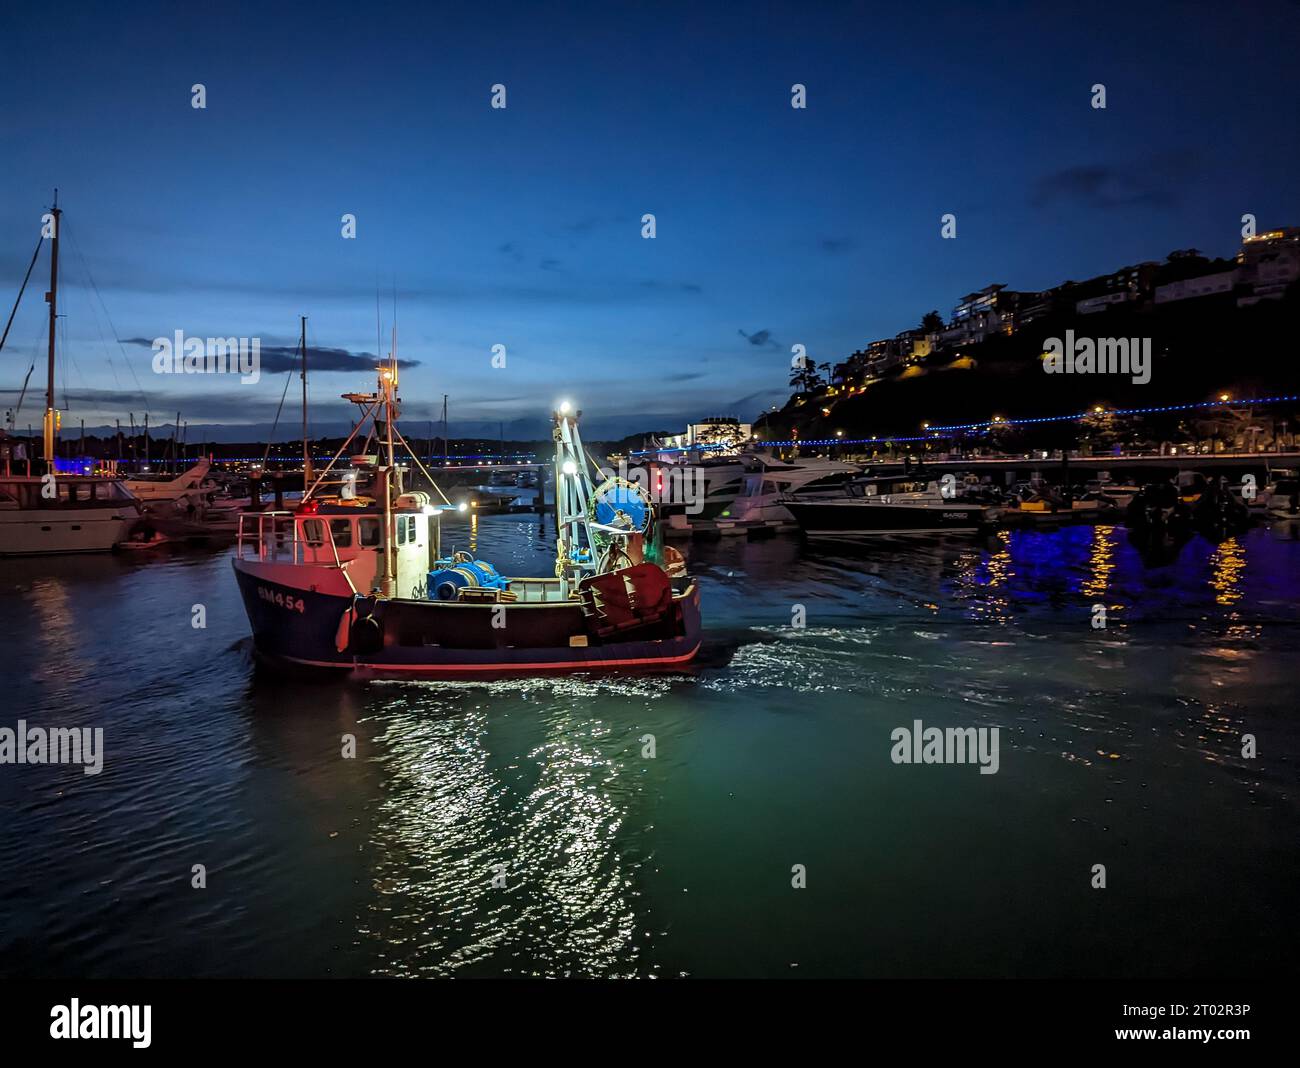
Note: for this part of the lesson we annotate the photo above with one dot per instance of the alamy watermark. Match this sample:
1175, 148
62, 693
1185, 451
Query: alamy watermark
179, 355
57, 745
955, 745
665, 483
1102, 356
76, 1020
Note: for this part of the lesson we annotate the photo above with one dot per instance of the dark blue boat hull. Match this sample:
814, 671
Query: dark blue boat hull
451, 639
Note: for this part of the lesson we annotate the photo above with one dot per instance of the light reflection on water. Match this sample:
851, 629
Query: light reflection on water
1101, 562
771, 750
516, 862
1229, 562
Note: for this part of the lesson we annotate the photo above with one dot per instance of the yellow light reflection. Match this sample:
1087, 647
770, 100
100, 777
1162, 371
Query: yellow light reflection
1101, 562
1229, 564
984, 579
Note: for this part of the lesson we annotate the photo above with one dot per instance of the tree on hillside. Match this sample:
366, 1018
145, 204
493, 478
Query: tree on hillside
932, 322
805, 378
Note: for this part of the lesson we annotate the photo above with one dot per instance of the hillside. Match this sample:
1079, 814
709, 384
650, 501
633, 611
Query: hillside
1201, 349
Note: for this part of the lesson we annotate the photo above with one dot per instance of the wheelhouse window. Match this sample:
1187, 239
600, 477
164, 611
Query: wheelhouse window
341, 531
313, 532
368, 531
73, 491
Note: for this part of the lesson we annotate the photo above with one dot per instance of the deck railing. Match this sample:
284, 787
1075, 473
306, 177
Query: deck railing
269, 536
278, 536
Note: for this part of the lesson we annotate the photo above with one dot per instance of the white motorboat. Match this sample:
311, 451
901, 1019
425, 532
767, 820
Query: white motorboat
189, 487
871, 508
83, 514
802, 479
1282, 497
752, 487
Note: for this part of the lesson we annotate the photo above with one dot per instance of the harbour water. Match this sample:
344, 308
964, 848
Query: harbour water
518, 828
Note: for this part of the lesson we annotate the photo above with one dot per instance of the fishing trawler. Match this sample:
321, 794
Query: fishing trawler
356, 579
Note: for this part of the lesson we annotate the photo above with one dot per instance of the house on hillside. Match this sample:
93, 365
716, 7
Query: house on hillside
1267, 264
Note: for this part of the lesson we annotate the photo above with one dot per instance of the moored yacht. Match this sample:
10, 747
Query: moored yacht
70, 514
191, 486
54, 512
874, 507
753, 487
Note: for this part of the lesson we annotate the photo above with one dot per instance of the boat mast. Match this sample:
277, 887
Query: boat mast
575, 552
306, 448
388, 380
52, 297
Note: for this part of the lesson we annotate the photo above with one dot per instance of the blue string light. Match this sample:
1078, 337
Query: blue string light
940, 431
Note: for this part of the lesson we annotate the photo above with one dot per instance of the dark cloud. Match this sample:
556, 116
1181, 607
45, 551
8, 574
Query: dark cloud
287, 358
837, 245
760, 401
1153, 183
760, 338
209, 398
683, 287
276, 358
584, 226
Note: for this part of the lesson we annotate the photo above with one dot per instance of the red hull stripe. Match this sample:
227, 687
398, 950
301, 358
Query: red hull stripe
485, 669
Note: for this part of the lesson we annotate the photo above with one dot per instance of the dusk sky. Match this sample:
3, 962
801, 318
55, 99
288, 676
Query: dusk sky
522, 227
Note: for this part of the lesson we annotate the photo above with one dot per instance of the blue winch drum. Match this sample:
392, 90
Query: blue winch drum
621, 503
446, 582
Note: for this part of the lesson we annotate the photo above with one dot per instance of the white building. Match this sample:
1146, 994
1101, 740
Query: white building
1101, 303
714, 431
1268, 263
1205, 285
